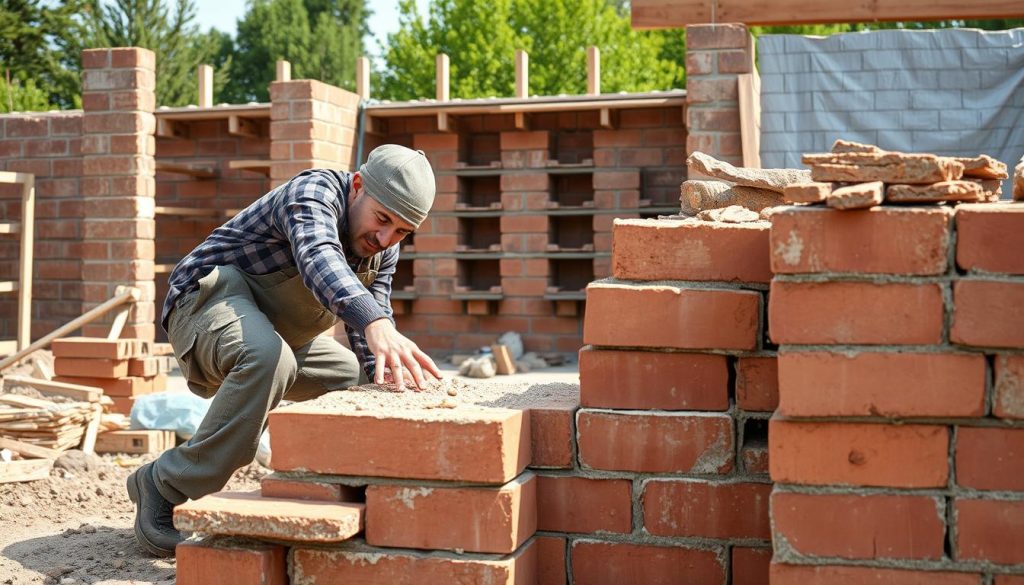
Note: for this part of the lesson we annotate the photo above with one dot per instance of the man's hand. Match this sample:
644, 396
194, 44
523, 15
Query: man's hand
396, 351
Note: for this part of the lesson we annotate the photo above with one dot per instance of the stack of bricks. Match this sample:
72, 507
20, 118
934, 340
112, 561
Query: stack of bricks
898, 445
123, 368
676, 384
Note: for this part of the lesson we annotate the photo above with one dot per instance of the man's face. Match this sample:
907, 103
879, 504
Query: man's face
371, 227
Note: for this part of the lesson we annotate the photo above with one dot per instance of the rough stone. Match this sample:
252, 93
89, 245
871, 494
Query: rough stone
807, 192
697, 196
841, 145
991, 189
941, 191
1018, 181
912, 169
983, 166
771, 179
731, 214
860, 196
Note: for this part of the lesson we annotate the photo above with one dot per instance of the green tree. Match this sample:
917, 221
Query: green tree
321, 39
480, 39
18, 97
179, 45
38, 50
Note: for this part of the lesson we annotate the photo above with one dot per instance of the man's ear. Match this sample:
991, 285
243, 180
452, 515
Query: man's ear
357, 182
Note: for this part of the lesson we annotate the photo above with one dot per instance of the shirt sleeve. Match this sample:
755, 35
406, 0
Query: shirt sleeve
309, 218
381, 291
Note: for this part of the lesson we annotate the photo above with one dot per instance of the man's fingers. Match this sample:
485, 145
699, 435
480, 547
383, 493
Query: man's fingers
378, 372
397, 370
425, 361
417, 373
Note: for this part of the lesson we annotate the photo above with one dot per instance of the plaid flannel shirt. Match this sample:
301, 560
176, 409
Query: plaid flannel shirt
298, 224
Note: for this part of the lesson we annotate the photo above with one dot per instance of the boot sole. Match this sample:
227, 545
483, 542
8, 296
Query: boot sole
133, 495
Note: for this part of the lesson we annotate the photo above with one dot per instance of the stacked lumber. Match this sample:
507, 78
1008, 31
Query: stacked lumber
20, 461
39, 422
860, 176
122, 368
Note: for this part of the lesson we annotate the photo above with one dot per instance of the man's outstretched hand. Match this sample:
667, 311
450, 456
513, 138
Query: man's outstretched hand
397, 352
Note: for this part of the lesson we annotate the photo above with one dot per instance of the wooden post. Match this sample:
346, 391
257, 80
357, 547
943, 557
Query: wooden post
750, 118
522, 74
442, 90
593, 71
28, 205
205, 86
363, 78
284, 71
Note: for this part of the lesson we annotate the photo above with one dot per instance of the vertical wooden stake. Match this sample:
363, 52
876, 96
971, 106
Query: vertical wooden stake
28, 226
593, 71
284, 71
205, 86
443, 89
363, 78
522, 73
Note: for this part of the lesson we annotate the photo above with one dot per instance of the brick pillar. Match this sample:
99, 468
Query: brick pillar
118, 182
715, 56
313, 125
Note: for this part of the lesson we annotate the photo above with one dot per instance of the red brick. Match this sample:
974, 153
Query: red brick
990, 458
222, 562
577, 504
989, 236
655, 442
650, 249
617, 180
355, 564
754, 455
552, 436
90, 367
1009, 580
521, 140
551, 566
750, 565
1009, 386
487, 446
830, 575
874, 527
855, 313
95, 58
822, 383
990, 530
735, 61
988, 313
248, 514
648, 380
757, 383
524, 223
474, 519
635, 316
94, 347
909, 456
713, 119
703, 89
274, 486
613, 138
446, 141
881, 240
524, 182
115, 387
607, 563
706, 509
717, 36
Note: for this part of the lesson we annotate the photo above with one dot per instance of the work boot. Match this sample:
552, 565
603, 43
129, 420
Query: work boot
154, 525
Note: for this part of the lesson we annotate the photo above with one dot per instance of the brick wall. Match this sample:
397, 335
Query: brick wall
896, 448
312, 125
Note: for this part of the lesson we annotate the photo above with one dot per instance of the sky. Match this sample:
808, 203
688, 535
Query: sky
223, 14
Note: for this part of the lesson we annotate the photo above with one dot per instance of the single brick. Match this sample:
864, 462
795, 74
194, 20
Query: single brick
750, 566
812, 453
855, 313
353, 563
833, 575
578, 504
701, 318
90, 367
147, 366
475, 519
822, 383
648, 380
248, 514
551, 566
221, 562
988, 313
489, 445
990, 531
655, 442
1009, 386
311, 488
989, 236
757, 384
874, 527
754, 455
552, 436
114, 387
706, 509
94, 347
882, 240
608, 563
990, 458
653, 249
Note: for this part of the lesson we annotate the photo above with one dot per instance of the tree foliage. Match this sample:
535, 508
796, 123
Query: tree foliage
38, 51
18, 96
321, 39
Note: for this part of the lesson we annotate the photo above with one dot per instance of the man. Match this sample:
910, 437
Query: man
246, 309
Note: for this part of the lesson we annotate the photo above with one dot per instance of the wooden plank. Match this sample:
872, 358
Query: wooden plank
76, 391
244, 127
9, 227
205, 74
167, 128
117, 325
27, 450
27, 470
254, 165
134, 442
522, 73
187, 211
593, 71
283, 71
504, 364
363, 78
199, 173
89, 440
750, 118
651, 14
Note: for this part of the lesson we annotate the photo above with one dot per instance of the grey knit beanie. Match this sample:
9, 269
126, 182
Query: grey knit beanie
401, 180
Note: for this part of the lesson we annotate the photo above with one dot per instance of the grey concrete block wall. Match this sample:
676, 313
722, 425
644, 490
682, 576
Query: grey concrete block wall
952, 92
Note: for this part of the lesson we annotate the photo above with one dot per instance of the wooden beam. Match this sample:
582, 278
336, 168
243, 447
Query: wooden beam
522, 74
205, 86
593, 71
171, 129
28, 449
442, 89
245, 127
363, 78
284, 71
256, 166
750, 118
28, 222
198, 173
651, 14
186, 211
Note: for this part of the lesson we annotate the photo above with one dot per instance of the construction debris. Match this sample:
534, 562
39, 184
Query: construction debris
770, 179
1018, 181
57, 426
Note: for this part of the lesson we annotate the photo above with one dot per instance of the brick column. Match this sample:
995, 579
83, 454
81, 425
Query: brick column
118, 182
715, 56
313, 125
